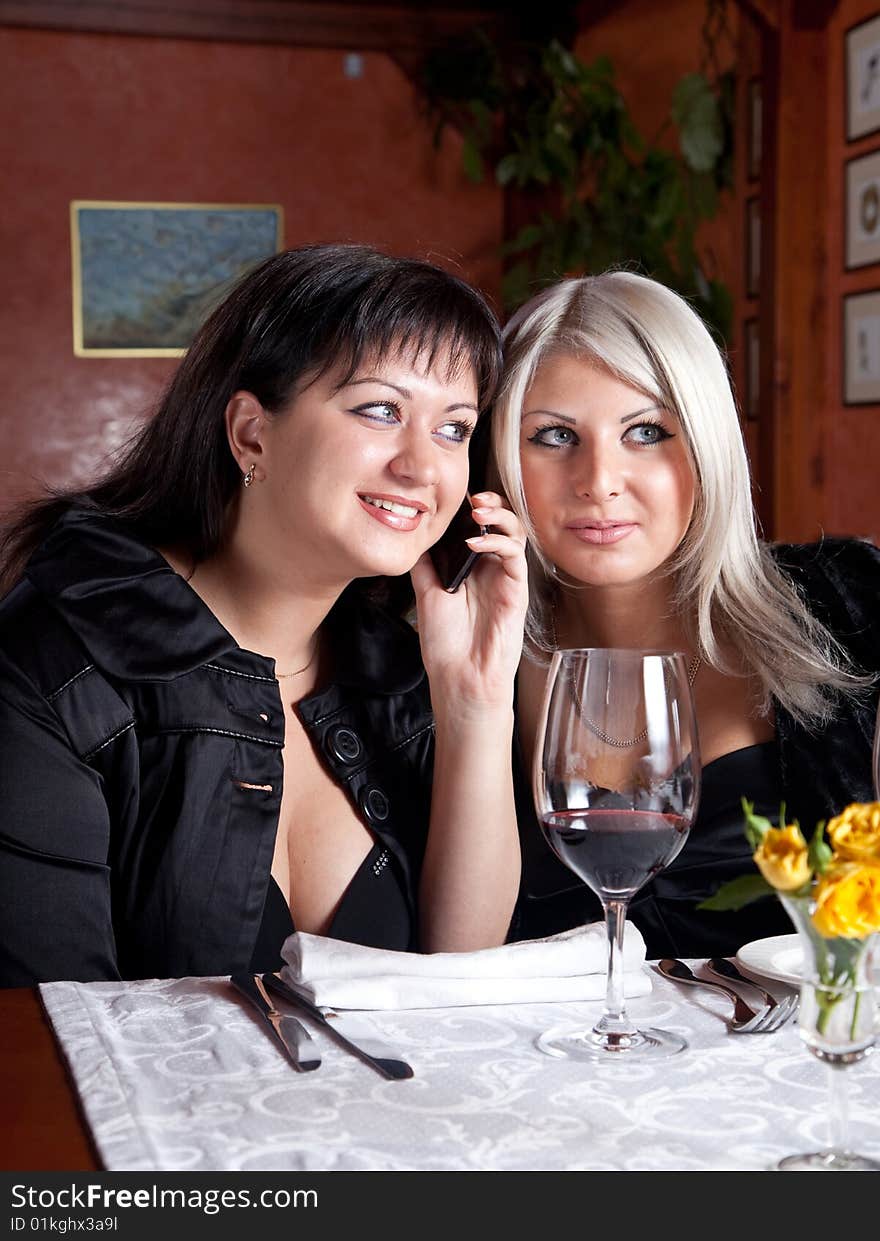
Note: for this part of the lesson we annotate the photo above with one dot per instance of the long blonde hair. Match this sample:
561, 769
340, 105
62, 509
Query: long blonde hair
727, 584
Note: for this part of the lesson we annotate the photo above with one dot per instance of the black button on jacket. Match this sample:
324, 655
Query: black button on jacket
141, 762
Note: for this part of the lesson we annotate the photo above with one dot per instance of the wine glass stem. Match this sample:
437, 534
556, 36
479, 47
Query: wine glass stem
615, 924
838, 1111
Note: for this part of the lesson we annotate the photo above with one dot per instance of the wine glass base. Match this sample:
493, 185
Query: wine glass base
575, 1043
828, 1161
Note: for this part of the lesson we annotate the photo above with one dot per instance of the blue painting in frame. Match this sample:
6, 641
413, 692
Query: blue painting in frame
145, 275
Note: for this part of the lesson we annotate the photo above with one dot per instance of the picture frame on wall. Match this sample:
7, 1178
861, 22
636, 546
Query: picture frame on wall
862, 211
752, 368
862, 78
753, 246
146, 274
861, 348
754, 131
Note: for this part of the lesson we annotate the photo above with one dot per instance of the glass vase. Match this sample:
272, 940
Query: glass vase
837, 1023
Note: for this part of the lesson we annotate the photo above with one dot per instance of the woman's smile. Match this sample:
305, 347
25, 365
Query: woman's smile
394, 511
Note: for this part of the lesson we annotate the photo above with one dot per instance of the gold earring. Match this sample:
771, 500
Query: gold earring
249, 477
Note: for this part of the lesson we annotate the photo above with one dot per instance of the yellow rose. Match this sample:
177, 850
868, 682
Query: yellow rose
848, 900
855, 834
781, 858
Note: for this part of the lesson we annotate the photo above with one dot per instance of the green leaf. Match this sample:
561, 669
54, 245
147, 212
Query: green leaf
507, 168
525, 239
472, 160
696, 112
820, 853
756, 825
738, 892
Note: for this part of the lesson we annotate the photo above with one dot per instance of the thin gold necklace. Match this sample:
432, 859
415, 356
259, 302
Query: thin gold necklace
284, 676
617, 742
279, 676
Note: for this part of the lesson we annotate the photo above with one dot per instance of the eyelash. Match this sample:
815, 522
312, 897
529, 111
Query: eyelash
465, 429
555, 426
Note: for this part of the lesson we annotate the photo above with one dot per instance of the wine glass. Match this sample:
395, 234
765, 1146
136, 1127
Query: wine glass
616, 782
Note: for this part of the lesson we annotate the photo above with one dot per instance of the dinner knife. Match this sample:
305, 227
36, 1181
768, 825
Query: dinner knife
354, 1033
291, 1033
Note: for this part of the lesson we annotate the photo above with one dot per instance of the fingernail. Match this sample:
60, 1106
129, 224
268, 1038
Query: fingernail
476, 538
482, 512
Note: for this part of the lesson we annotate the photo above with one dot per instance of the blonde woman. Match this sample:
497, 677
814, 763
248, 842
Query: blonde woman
619, 446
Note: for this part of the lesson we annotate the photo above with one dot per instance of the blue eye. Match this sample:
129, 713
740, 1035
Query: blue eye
647, 433
554, 436
378, 411
458, 432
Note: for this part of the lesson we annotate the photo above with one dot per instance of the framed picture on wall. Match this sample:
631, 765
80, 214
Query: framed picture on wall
752, 367
755, 118
145, 275
862, 198
861, 348
753, 246
862, 78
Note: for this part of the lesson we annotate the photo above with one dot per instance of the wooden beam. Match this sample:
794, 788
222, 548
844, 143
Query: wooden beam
793, 217
352, 26
812, 14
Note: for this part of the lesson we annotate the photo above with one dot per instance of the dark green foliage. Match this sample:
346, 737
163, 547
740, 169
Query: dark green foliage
558, 130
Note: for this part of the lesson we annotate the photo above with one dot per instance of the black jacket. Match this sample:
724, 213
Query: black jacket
141, 765
817, 773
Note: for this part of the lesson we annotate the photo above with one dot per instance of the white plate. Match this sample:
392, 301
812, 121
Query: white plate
778, 957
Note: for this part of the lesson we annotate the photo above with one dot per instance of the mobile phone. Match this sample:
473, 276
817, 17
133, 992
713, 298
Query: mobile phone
452, 557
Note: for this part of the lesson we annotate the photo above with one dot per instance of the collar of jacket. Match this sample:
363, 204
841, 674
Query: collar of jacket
140, 621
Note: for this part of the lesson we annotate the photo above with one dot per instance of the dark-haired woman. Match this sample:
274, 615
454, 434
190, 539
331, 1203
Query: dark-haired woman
214, 727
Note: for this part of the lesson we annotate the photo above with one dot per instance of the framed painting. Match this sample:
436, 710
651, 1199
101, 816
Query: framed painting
862, 224
145, 275
861, 348
862, 78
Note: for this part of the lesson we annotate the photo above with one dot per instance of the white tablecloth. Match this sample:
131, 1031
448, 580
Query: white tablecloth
178, 1075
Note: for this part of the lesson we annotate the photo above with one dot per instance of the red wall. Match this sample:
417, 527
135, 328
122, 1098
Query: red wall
139, 119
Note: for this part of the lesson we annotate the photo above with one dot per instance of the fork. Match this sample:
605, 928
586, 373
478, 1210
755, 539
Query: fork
745, 1020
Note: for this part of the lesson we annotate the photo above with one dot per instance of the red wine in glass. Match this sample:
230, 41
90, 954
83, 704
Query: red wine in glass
615, 852
616, 782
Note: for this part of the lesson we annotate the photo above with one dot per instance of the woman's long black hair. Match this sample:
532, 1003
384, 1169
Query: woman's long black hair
293, 317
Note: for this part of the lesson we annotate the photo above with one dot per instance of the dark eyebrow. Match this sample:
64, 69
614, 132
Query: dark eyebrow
405, 392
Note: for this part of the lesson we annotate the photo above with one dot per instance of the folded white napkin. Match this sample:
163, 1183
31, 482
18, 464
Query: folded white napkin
568, 966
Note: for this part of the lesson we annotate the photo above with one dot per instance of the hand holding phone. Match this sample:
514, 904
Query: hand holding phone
452, 557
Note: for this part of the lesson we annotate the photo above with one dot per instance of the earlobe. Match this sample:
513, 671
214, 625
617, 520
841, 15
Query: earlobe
245, 423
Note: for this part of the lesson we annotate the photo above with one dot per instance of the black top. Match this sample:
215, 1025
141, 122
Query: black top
141, 768
817, 772
374, 910
716, 850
